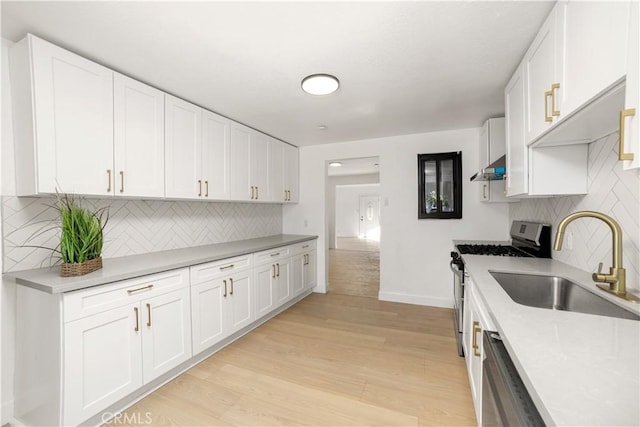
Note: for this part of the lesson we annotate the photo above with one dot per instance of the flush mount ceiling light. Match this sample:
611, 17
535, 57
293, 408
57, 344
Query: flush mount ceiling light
335, 164
320, 84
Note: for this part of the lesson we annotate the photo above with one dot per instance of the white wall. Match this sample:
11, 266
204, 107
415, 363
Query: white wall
414, 254
330, 205
348, 207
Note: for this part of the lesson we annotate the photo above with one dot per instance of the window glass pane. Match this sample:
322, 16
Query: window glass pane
446, 185
430, 186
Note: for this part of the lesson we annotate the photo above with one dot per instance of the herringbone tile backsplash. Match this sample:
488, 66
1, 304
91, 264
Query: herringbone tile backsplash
134, 226
611, 191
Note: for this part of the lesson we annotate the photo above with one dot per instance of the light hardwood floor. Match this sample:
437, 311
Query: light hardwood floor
357, 244
330, 360
354, 273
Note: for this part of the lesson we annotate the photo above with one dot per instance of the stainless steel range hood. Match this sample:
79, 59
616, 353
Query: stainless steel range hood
494, 172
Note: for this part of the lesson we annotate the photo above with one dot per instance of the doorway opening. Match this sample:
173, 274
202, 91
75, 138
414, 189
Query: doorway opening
353, 209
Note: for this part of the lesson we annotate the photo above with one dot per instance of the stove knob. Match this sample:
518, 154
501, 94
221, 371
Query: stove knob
455, 255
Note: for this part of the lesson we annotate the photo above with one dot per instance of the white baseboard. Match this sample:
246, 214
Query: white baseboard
415, 299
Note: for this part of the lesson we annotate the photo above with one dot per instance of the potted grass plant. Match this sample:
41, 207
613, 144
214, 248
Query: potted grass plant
81, 236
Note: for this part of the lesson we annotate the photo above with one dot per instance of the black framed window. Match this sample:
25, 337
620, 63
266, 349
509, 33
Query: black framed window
440, 185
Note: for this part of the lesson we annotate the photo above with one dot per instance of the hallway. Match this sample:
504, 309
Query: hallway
354, 268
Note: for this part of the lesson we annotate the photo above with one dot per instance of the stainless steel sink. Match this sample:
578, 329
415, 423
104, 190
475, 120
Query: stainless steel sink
557, 293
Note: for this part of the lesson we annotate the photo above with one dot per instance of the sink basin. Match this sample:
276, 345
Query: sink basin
557, 293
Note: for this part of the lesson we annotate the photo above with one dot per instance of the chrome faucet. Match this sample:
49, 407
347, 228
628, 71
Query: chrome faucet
616, 279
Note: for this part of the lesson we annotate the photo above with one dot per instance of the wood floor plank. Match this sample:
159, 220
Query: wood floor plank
329, 360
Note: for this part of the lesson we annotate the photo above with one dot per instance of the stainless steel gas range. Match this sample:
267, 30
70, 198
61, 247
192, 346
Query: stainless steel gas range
528, 239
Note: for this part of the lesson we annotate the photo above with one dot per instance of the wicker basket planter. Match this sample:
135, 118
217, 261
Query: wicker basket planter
79, 269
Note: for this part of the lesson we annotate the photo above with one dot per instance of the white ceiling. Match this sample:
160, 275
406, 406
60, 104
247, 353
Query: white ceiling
404, 67
359, 166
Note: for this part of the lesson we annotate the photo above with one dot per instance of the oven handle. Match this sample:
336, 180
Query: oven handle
454, 268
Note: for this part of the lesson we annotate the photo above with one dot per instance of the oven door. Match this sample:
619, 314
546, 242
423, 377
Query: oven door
458, 302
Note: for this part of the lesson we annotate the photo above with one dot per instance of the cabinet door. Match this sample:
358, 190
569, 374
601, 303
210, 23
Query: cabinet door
102, 361
215, 156
483, 162
265, 276
183, 148
631, 143
241, 189
541, 65
309, 271
283, 281
595, 53
138, 139
240, 301
517, 166
291, 172
297, 274
207, 314
166, 337
276, 171
73, 106
259, 165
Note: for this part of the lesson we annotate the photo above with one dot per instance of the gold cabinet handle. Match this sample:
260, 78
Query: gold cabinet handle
225, 288
122, 181
554, 112
285, 195
231, 282
289, 192
226, 267
547, 117
109, 180
623, 114
305, 246
206, 189
137, 328
149, 315
504, 181
252, 192
273, 273
476, 329
484, 191
199, 188
257, 193
144, 288
278, 267
275, 254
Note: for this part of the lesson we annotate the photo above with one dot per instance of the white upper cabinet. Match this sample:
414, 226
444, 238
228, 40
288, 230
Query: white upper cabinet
276, 171
138, 139
630, 116
517, 182
183, 148
595, 49
63, 108
542, 68
239, 174
215, 156
291, 171
259, 165
492, 147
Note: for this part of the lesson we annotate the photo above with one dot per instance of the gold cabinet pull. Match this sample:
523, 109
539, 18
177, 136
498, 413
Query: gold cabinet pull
144, 288
226, 267
623, 114
149, 315
252, 192
257, 193
484, 191
275, 254
554, 112
206, 189
476, 329
504, 181
547, 117
199, 188
278, 267
305, 246
109, 180
273, 273
285, 195
231, 282
122, 181
225, 288
137, 328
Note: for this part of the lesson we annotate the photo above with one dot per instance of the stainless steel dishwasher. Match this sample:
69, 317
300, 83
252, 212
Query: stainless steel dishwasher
505, 399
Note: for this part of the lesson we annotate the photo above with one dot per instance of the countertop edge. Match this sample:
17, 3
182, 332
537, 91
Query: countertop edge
116, 269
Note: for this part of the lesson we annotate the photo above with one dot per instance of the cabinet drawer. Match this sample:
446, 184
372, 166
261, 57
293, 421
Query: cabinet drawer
224, 267
94, 300
303, 247
271, 255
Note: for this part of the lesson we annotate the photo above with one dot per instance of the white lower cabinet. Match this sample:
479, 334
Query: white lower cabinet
303, 272
273, 285
476, 320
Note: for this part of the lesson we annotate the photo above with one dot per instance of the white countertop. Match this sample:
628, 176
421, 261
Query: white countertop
121, 268
580, 369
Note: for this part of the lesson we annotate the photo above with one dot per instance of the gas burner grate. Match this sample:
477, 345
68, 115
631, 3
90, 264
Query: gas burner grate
495, 250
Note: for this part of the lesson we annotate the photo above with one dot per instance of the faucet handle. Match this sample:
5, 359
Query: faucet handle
599, 268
